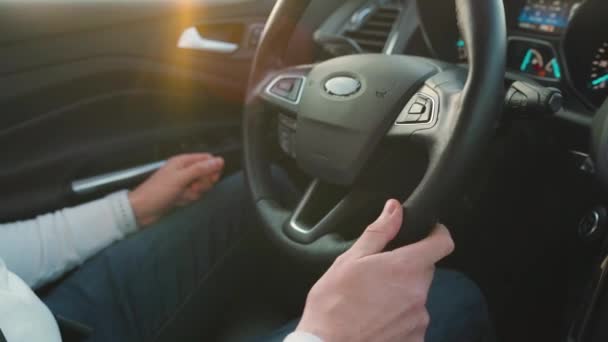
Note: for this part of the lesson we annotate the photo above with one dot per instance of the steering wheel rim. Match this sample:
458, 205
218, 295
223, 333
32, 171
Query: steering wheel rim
465, 106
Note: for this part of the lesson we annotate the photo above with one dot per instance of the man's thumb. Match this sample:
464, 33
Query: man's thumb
378, 234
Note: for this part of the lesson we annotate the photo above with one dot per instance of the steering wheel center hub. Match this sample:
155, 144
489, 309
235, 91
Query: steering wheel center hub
342, 86
347, 106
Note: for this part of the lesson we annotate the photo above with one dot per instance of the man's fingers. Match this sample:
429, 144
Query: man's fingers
201, 185
205, 168
216, 177
378, 234
185, 160
190, 196
197, 187
435, 247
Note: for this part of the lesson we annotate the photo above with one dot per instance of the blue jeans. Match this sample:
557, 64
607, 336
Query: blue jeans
170, 282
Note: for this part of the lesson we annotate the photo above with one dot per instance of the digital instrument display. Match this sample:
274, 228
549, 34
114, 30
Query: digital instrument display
535, 59
597, 81
548, 16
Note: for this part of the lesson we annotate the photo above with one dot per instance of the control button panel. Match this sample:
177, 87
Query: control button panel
287, 135
418, 110
287, 88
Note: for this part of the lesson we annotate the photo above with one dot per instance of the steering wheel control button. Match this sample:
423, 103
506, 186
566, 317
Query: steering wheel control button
425, 117
285, 85
418, 110
412, 118
287, 135
287, 122
287, 88
342, 86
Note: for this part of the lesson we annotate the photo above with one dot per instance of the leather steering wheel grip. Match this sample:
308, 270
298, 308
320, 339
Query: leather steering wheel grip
483, 27
599, 143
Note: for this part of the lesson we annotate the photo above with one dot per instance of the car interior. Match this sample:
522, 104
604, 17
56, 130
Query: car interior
489, 120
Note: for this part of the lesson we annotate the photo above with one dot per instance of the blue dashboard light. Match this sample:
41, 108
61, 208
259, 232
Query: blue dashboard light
600, 80
527, 60
556, 69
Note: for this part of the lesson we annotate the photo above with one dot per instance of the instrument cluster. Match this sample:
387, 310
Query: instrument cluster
585, 51
561, 43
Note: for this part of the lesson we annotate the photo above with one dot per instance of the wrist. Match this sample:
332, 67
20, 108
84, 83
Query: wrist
138, 205
122, 212
316, 328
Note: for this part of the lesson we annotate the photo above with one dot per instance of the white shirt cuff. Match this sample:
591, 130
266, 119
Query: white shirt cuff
123, 212
300, 336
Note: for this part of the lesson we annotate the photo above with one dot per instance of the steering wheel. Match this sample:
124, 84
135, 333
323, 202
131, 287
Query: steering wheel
599, 143
343, 109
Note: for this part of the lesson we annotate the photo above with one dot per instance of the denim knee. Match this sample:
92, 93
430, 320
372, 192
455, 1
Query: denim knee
458, 310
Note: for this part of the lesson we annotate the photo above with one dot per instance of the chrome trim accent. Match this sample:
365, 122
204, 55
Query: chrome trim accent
579, 154
594, 228
192, 39
584, 160
293, 224
394, 35
357, 18
389, 47
92, 184
282, 77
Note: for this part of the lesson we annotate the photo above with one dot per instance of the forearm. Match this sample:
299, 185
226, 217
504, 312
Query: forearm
42, 249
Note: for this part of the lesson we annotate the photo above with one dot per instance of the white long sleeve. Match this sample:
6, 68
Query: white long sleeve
42, 249
300, 336
23, 316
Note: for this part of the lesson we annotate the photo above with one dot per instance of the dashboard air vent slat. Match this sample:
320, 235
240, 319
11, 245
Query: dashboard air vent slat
379, 25
373, 34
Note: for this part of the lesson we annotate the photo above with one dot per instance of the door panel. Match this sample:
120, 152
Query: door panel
87, 89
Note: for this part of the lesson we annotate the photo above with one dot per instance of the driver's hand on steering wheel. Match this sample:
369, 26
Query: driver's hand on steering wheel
181, 181
371, 295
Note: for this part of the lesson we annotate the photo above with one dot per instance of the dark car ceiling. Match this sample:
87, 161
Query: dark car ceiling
23, 20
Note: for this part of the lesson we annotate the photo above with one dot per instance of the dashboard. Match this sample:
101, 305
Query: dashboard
560, 43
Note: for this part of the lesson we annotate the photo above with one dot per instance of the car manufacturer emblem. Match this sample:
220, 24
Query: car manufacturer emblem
342, 86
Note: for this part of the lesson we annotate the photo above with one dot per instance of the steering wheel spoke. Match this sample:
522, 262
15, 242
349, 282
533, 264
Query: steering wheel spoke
323, 209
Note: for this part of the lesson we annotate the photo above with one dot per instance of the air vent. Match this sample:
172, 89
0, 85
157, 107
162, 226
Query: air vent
373, 34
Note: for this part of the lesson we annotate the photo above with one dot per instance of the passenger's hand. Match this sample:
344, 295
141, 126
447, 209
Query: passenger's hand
371, 295
181, 181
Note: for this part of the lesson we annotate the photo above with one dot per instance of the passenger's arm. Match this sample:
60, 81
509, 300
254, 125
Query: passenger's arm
23, 317
42, 249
